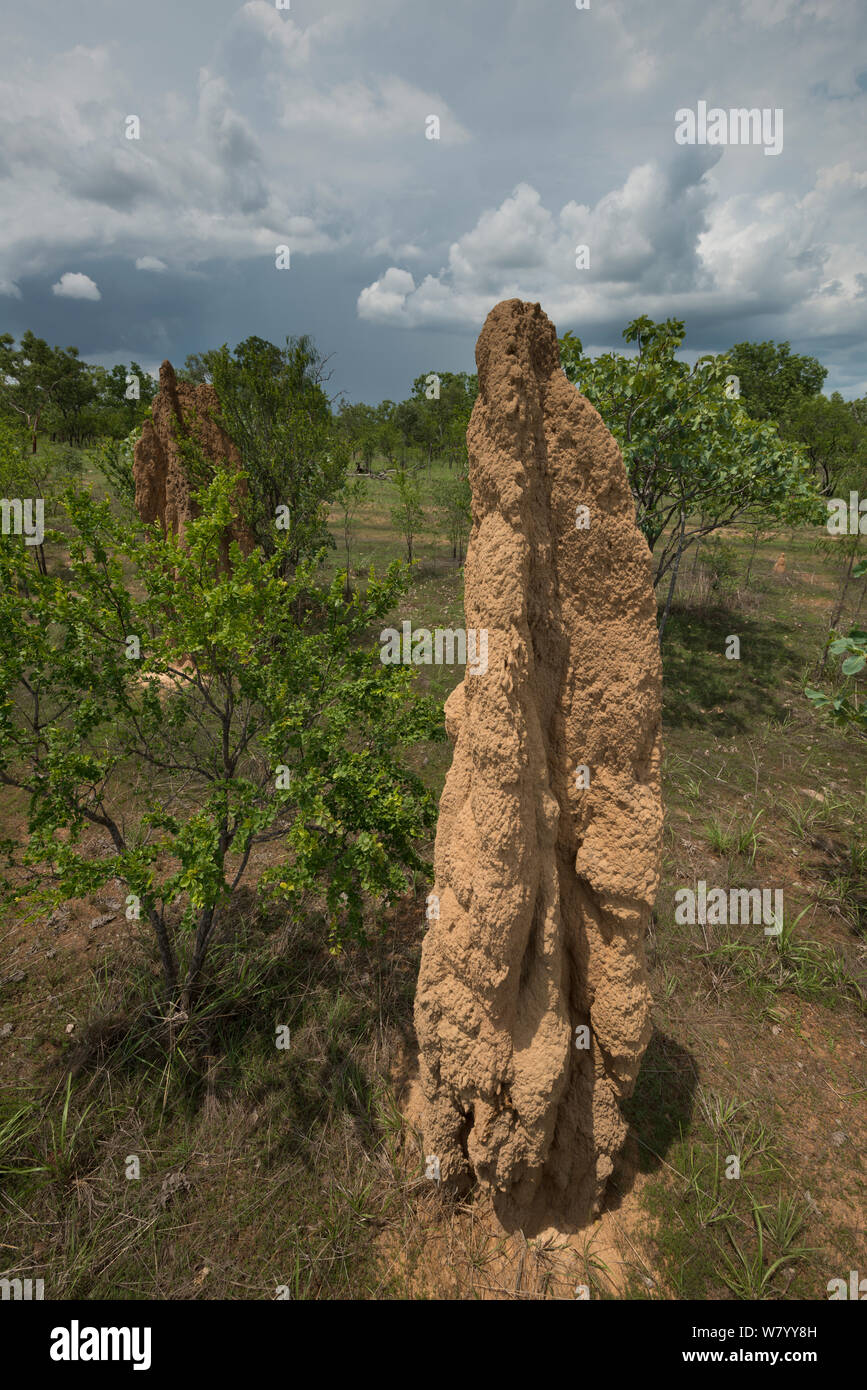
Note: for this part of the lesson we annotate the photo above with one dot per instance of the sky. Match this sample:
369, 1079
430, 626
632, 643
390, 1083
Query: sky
309, 127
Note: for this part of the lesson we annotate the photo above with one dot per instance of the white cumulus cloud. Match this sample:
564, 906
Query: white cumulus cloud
74, 285
664, 243
385, 300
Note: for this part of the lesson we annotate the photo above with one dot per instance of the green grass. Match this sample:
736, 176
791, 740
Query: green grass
741, 839
307, 1139
790, 962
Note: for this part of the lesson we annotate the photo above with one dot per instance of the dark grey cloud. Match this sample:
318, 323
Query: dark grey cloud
306, 127
107, 183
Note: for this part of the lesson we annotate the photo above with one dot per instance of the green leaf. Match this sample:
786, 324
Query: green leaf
853, 664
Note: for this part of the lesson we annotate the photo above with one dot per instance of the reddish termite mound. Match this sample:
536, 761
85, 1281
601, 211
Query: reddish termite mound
533, 1009
163, 490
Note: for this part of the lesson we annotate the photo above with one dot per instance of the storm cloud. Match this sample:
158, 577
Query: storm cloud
308, 128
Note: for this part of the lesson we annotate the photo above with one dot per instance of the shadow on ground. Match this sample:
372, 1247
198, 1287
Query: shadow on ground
705, 689
659, 1110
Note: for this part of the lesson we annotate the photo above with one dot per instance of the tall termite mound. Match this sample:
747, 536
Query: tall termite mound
533, 1009
182, 411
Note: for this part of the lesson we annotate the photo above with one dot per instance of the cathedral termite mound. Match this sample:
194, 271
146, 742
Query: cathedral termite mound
533, 1009
182, 411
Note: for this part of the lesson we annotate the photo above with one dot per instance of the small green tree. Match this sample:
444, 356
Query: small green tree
773, 380
452, 498
407, 514
349, 499
39, 477
696, 461
125, 396
187, 714
844, 708
72, 412
842, 554
34, 377
114, 458
16, 469
390, 441
275, 409
357, 424
444, 402
834, 441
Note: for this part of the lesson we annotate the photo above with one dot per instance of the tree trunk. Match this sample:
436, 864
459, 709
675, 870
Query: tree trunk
347, 590
170, 969
697, 549
675, 569
200, 949
752, 557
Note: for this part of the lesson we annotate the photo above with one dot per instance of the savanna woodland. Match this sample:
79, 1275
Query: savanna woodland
218, 807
